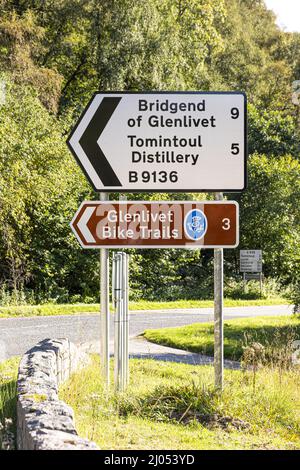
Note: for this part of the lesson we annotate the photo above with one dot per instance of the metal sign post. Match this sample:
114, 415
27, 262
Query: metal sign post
120, 300
218, 313
126, 319
104, 307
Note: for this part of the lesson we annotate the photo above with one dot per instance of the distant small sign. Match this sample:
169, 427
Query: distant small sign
252, 276
250, 261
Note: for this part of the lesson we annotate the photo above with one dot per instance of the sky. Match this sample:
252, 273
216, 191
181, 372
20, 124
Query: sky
288, 13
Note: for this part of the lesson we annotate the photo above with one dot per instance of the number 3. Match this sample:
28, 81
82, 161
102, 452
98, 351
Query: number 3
226, 224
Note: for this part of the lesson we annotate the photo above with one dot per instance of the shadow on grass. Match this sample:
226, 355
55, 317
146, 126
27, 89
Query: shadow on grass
166, 401
182, 405
194, 359
235, 337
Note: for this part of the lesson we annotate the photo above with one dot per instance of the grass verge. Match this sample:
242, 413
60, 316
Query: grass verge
74, 309
199, 337
8, 402
174, 406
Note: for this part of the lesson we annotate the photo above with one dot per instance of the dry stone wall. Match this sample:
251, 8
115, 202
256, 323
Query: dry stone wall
43, 421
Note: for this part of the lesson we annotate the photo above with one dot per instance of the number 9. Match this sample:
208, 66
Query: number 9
235, 113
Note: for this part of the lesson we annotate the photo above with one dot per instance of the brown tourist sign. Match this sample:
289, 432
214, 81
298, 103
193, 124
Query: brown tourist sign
165, 224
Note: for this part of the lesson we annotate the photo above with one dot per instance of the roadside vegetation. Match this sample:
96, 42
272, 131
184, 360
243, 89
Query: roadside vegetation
8, 402
54, 55
272, 333
174, 406
81, 308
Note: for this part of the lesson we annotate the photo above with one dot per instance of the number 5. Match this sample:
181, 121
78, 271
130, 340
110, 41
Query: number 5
235, 149
226, 224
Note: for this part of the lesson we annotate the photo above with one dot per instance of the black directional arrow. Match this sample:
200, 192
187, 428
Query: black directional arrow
88, 142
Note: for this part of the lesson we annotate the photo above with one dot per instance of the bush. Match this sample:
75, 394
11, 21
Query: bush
237, 289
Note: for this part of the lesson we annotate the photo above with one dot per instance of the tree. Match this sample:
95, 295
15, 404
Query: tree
269, 214
40, 190
272, 132
20, 43
252, 59
156, 45
55, 54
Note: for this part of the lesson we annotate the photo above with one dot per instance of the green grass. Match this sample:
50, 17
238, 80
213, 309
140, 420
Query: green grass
171, 406
149, 305
47, 310
199, 337
74, 309
8, 397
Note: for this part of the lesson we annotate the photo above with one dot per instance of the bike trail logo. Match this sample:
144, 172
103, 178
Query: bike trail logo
195, 224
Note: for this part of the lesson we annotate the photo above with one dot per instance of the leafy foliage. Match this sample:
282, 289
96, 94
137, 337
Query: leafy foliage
270, 215
54, 55
40, 186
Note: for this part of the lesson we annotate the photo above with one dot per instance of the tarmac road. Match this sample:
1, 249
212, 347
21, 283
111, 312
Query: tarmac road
17, 335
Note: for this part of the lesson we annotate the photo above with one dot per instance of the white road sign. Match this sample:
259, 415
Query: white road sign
163, 141
250, 261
